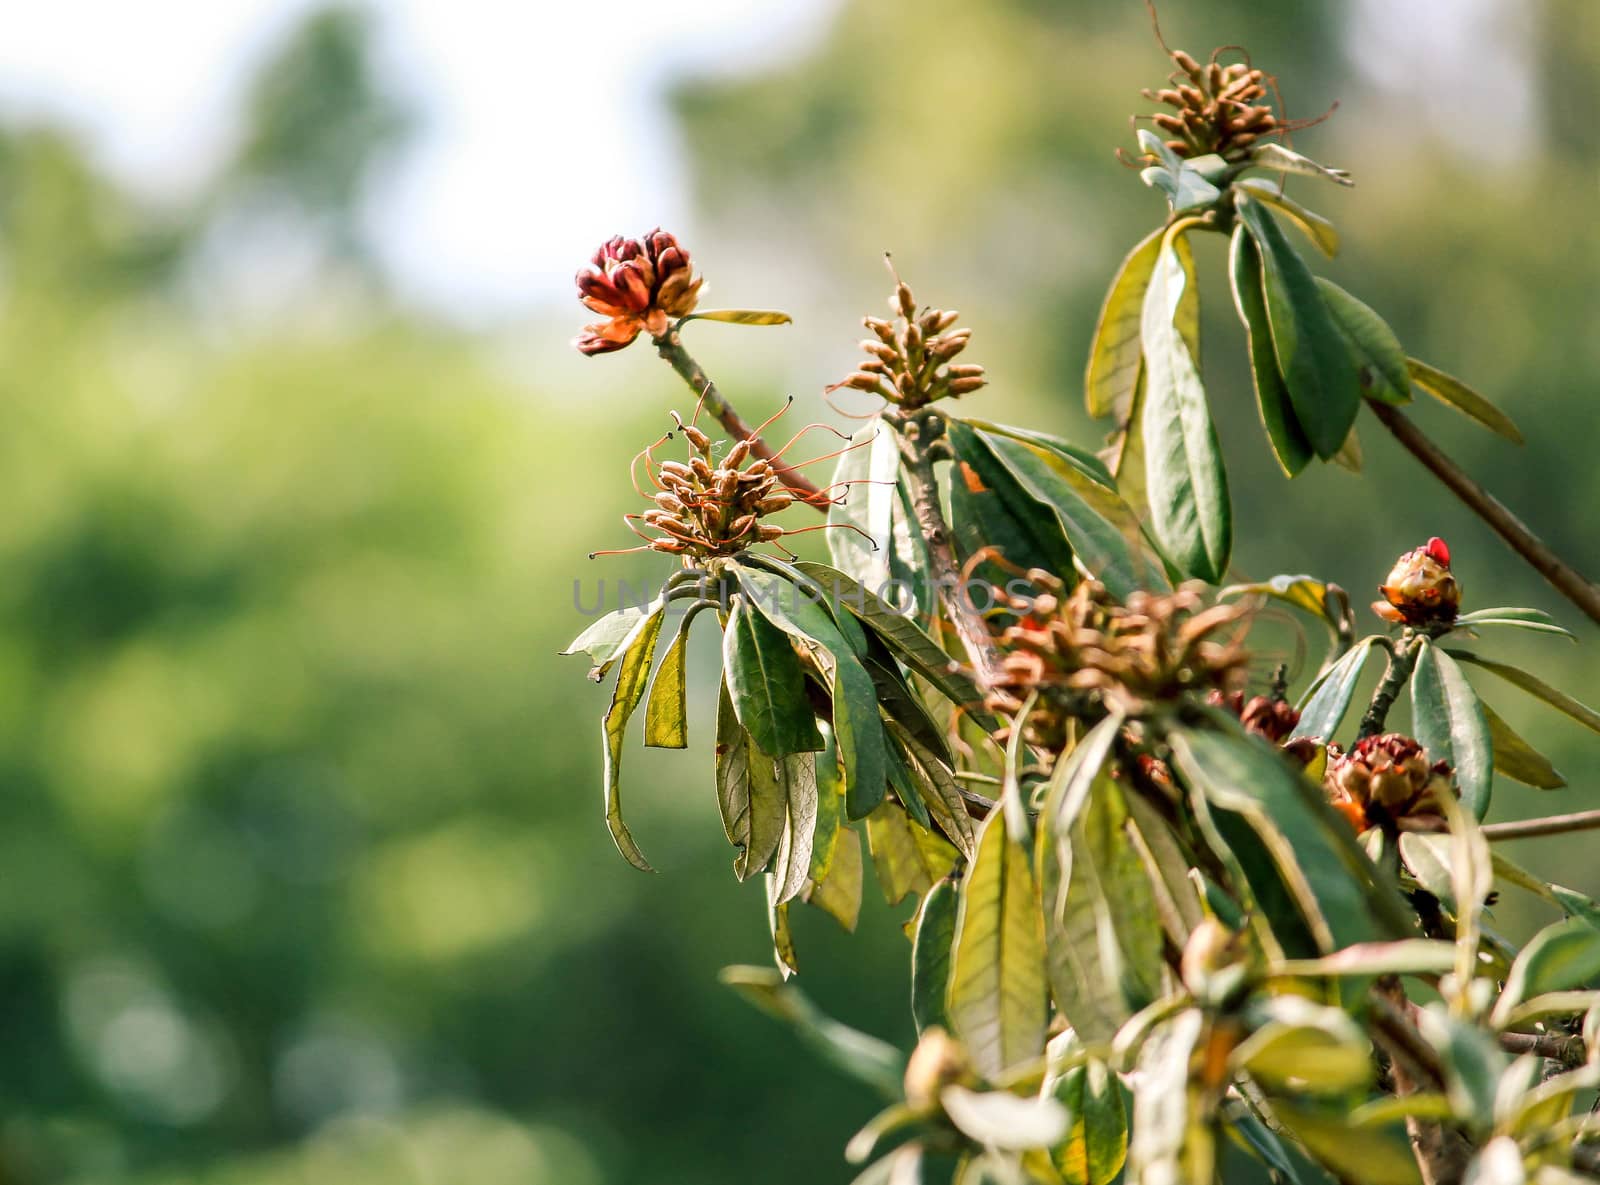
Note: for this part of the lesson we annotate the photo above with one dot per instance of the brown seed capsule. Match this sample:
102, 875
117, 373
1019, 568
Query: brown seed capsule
1185, 63
862, 381
741, 526
671, 503
774, 504
697, 438
727, 482
1167, 123
966, 386
882, 328
914, 340
702, 471
946, 319
875, 366
880, 351
768, 532
964, 372
906, 303
738, 454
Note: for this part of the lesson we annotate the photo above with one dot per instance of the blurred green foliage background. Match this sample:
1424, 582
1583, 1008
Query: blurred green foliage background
304, 878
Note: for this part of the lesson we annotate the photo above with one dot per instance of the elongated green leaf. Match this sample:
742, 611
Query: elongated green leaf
778, 926
1370, 1155
1450, 390
792, 861
1168, 865
1328, 699
1172, 1139
902, 635
1536, 687
937, 786
839, 894
877, 1063
907, 858
1185, 481
856, 724
768, 819
1284, 434
1114, 351
1074, 776
997, 977
1449, 723
930, 956
1096, 1146
830, 807
1269, 154
1317, 228
1379, 358
1405, 956
767, 684
1306, 593
1536, 620
1517, 759
866, 478
742, 316
605, 639
666, 713
1305, 1048
1333, 884
994, 508
999, 1119
732, 773
1058, 449
631, 678
1428, 858
1316, 367
1559, 958
1471, 1061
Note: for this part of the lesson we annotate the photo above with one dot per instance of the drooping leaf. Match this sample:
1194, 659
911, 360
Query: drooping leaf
941, 795
863, 510
631, 679
830, 807
906, 857
1172, 1140
1516, 758
839, 894
1449, 723
1371, 1155
856, 724
1063, 454
1536, 687
1561, 957
1096, 1146
893, 1119
997, 977
1324, 388
778, 926
605, 639
1328, 699
768, 819
1186, 186
1379, 358
1269, 154
877, 1063
767, 684
1405, 956
1317, 228
792, 862
930, 956
1536, 620
732, 773
1304, 1048
1004, 514
666, 713
1450, 390
742, 316
1284, 434
999, 1119
1185, 482
1326, 602
1114, 350
1471, 1061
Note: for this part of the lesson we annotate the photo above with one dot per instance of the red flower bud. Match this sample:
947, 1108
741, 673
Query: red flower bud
1420, 589
637, 286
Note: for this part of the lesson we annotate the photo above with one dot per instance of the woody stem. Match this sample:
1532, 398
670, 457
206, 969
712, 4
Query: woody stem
1402, 659
1553, 825
1569, 582
670, 346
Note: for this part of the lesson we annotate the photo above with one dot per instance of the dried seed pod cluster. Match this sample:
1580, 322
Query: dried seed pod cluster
637, 286
1420, 590
1085, 654
1219, 109
1388, 780
910, 358
1271, 718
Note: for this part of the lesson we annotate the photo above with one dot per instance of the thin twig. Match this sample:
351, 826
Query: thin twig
1553, 825
1402, 660
670, 346
1558, 1047
1573, 585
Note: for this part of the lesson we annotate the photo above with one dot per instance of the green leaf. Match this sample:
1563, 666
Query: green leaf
1063, 454
997, 977
1328, 699
1304, 1048
1530, 619
1517, 759
1114, 351
1534, 686
1405, 956
936, 785
1271, 155
865, 1058
742, 316
1499, 1162
768, 818
856, 724
1096, 1146
1452, 391
906, 857
1185, 186
930, 956
999, 1119
1331, 880
607, 638
839, 894
902, 635
1317, 228
666, 714
1472, 1063
1284, 434
1370, 1155
1185, 481
631, 678
1379, 358
1099, 545
830, 807
1324, 388
767, 684
867, 474
1449, 723
778, 925
732, 773
1560, 958
992, 508
1305, 593
897, 1117
1428, 858
792, 862
1172, 1140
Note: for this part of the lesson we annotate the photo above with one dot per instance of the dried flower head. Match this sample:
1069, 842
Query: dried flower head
1388, 779
910, 357
708, 506
1217, 109
1421, 590
637, 286
1085, 653
1271, 718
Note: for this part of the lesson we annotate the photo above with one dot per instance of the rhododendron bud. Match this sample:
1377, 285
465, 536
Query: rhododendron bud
637, 286
1389, 778
1420, 589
